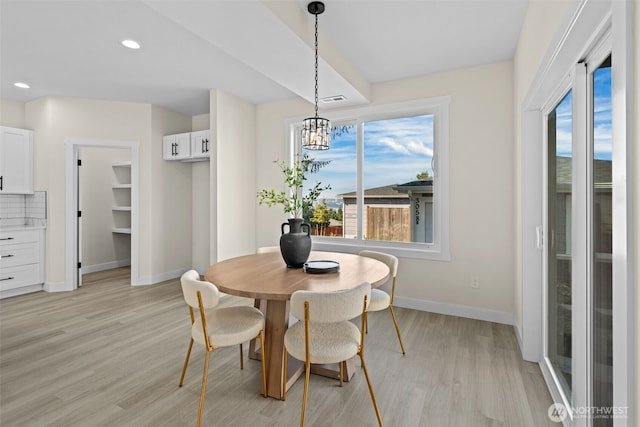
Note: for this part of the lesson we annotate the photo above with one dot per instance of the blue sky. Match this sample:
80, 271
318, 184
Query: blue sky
601, 117
602, 113
395, 150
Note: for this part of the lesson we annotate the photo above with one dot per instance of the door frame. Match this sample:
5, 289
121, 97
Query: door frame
72, 148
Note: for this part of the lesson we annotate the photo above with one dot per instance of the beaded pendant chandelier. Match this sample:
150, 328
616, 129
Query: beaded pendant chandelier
316, 131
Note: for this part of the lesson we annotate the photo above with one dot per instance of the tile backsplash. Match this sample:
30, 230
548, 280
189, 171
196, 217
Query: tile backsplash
23, 208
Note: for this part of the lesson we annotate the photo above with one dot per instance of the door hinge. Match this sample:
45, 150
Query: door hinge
79, 162
79, 214
79, 265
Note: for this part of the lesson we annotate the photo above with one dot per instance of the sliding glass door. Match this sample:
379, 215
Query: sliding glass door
559, 230
602, 242
578, 250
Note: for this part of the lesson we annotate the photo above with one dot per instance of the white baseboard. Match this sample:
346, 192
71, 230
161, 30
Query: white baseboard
516, 330
456, 310
157, 278
105, 266
20, 291
57, 287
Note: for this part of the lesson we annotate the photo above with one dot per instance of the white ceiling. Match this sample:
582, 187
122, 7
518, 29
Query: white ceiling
260, 51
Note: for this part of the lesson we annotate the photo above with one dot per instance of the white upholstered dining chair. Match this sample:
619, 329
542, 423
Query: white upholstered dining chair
214, 328
327, 335
381, 300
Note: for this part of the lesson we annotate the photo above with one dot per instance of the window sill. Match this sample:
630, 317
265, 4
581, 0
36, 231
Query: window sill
330, 245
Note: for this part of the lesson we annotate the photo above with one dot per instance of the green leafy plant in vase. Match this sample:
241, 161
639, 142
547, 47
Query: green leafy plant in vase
295, 245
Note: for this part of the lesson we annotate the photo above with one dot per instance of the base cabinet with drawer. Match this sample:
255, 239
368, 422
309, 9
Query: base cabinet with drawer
21, 261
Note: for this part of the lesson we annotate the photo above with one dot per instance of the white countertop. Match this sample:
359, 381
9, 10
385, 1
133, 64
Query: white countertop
15, 224
21, 227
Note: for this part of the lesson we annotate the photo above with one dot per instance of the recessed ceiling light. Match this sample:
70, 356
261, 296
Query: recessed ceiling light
131, 44
21, 85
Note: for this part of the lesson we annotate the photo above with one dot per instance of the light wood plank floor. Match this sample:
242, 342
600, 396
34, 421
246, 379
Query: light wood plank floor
110, 355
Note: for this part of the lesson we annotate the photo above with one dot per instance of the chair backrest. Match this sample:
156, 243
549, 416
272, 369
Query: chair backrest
266, 249
191, 284
390, 260
330, 307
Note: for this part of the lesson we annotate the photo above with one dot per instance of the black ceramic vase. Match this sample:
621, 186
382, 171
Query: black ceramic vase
295, 245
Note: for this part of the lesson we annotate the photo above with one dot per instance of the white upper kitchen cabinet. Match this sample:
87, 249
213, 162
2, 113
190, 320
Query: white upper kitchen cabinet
200, 144
16, 161
176, 147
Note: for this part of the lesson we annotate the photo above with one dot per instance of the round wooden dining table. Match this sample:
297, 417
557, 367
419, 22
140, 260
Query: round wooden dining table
266, 278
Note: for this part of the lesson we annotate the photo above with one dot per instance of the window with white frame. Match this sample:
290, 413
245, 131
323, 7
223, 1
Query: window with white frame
388, 172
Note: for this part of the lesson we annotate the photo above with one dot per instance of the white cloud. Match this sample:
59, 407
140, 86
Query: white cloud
391, 143
419, 147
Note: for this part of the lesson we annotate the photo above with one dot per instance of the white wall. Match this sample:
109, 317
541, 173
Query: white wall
168, 202
53, 119
271, 146
12, 114
481, 188
165, 232
233, 176
200, 201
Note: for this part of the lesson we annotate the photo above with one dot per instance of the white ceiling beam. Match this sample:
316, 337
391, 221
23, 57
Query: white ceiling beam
255, 34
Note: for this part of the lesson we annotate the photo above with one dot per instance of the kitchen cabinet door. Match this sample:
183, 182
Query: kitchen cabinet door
176, 147
16, 161
200, 144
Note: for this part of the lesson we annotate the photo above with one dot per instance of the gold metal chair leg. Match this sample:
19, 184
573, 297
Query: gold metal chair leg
395, 322
241, 362
204, 387
264, 375
307, 369
284, 373
186, 362
373, 397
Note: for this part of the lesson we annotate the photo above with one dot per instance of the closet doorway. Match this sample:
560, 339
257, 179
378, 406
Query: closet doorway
101, 207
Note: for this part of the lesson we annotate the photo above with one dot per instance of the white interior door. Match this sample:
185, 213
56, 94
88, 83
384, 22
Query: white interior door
79, 219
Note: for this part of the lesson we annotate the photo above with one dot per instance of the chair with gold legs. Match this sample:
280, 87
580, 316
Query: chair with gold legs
381, 300
327, 335
215, 328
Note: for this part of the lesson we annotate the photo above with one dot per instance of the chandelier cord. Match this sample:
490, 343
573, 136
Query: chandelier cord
316, 88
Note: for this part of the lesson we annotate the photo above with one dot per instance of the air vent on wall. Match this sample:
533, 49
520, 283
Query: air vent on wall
331, 99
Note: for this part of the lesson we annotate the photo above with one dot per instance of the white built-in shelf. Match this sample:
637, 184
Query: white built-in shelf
121, 230
122, 176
